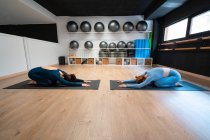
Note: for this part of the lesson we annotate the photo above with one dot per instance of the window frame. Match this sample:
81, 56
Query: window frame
191, 17
188, 35
173, 24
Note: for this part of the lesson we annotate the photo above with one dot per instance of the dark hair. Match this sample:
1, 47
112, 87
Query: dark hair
69, 77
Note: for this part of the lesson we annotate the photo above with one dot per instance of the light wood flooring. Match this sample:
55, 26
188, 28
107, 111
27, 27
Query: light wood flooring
102, 114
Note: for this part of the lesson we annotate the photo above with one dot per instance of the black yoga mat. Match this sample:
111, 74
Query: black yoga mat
187, 86
23, 85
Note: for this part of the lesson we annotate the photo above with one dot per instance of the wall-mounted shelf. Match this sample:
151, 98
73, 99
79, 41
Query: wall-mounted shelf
119, 32
110, 61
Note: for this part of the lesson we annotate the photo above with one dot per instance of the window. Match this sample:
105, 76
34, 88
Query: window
200, 23
177, 30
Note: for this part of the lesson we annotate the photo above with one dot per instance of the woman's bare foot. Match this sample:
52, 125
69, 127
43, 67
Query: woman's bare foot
31, 82
179, 84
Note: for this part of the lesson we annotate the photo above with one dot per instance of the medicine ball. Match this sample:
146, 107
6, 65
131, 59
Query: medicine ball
130, 44
85, 26
121, 44
88, 45
74, 44
128, 27
72, 26
112, 46
114, 26
141, 26
99, 27
103, 45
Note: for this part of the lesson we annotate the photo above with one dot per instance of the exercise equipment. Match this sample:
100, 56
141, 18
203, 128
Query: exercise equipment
85, 26
103, 45
99, 27
128, 26
121, 44
74, 45
112, 46
141, 26
103, 54
61, 60
88, 45
112, 54
122, 54
114, 26
72, 26
130, 44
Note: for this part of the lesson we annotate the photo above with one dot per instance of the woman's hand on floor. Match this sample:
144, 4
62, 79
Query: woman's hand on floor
122, 85
120, 81
85, 85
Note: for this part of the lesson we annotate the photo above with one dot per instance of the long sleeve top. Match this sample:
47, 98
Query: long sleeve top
55, 74
152, 75
51, 76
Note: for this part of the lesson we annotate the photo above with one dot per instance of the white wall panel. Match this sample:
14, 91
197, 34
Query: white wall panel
42, 53
12, 55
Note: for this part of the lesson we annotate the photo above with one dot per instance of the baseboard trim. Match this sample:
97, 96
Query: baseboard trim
19, 73
12, 75
196, 78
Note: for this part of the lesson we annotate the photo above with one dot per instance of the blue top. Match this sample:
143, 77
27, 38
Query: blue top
152, 75
51, 76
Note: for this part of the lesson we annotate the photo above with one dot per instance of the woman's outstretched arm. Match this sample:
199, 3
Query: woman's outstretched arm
67, 83
140, 85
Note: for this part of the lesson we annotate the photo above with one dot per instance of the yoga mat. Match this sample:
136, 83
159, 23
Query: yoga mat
23, 85
186, 87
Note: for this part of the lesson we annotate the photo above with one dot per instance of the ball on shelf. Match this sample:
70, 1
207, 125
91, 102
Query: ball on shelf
121, 44
130, 44
74, 45
85, 26
103, 45
141, 26
99, 27
128, 26
112, 46
88, 45
72, 26
114, 26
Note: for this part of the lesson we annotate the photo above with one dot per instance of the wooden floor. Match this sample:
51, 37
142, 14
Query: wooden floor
102, 114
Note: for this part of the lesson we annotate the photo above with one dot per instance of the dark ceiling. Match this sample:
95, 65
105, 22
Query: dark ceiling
95, 7
150, 8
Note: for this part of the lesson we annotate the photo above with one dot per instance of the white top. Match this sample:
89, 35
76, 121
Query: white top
166, 72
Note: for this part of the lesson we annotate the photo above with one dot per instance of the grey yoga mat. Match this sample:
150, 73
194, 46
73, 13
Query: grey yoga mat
23, 85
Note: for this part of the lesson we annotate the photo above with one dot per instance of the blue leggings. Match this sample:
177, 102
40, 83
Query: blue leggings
169, 81
45, 77
37, 74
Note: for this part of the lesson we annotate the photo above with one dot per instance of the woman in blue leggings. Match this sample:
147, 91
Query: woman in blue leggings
52, 76
160, 77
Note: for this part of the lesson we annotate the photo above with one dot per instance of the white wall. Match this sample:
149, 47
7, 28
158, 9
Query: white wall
12, 55
66, 37
19, 54
42, 53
